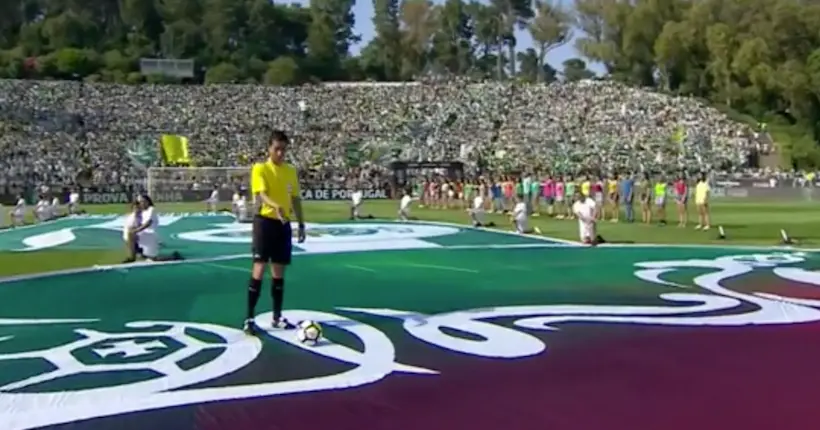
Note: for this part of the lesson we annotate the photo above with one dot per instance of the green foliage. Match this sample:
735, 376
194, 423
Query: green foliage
758, 58
282, 71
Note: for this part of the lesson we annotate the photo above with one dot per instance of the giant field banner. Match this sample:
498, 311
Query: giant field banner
454, 327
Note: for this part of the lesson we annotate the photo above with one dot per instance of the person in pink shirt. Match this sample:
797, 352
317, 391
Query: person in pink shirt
548, 192
681, 196
560, 196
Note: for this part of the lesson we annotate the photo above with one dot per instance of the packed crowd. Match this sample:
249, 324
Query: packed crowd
55, 132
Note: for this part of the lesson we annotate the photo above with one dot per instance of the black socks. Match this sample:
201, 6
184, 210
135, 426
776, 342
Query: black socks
254, 290
278, 294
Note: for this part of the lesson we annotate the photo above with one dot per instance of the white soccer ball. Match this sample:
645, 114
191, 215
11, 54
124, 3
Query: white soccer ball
309, 332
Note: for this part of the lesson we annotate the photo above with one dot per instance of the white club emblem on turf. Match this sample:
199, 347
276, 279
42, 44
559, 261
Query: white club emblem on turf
328, 238
154, 346
161, 349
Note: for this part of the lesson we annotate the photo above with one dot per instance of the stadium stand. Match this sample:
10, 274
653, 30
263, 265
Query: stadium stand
54, 132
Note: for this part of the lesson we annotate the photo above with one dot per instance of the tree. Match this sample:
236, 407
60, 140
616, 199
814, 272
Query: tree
532, 69
387, 43
575, 69
282, 71
330, 34
417, 20
487, 40
512, 13
223, 73
451, 48
552, 27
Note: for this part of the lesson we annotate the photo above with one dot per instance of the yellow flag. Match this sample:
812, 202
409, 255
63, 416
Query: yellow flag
175, 149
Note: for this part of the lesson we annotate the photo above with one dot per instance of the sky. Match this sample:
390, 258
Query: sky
364, 28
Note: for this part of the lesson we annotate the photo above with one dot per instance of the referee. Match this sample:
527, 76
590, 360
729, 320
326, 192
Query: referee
275, 186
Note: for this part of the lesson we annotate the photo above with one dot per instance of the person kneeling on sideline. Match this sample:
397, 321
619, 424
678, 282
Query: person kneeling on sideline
17, 216
478, 214
241, 210
42, 212
356, 198
404, 206
141, 233
239, 207
74, 203
585, 210
519, 217
132, 221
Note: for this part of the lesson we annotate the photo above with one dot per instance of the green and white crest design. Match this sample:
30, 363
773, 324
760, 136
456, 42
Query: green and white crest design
154, 336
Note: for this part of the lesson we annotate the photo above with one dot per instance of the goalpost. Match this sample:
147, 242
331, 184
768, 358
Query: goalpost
204, 179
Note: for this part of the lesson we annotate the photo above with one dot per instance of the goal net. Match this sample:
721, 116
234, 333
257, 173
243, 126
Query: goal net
164, 180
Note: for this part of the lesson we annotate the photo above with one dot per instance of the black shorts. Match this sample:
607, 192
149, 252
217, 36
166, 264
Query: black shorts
272, 240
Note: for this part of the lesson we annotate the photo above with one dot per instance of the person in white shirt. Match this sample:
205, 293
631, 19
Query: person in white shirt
241, 209
234, 204
55, 207
446, 194
42, 210
520, 218
132, 221
74, 202
477, 211
213, 200
585, 210
18, 214
356, 198
404, 206
145, 234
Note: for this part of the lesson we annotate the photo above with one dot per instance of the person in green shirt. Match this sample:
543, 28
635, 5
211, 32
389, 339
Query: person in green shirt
469, 193
660, 199
643, 189
519, 188
569, 190
519, 191
535, 197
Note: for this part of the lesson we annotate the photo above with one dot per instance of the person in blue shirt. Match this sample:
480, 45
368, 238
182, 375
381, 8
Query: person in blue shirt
495, 189
627, 187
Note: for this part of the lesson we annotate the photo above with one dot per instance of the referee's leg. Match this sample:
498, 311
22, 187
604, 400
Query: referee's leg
281, 254
271, 243
260, 248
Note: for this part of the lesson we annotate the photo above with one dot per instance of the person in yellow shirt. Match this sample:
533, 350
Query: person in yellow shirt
702, 192
613, 198
275, 187
585, 187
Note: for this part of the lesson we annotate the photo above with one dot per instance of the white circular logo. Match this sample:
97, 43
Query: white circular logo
326, 233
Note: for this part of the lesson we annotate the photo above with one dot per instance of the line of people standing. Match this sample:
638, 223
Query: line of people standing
617, 197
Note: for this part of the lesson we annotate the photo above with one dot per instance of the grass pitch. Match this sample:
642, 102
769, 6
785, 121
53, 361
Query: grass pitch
745, 223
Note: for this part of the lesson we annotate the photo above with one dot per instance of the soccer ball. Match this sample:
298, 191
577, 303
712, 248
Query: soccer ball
309, 332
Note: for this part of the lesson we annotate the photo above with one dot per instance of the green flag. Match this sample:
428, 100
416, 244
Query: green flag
144, 152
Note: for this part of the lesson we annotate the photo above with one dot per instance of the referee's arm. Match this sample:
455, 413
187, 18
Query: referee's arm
296, 199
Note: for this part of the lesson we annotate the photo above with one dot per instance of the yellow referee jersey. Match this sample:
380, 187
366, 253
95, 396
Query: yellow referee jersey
279, 182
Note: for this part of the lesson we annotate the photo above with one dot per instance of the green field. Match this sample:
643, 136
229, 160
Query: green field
745, 223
